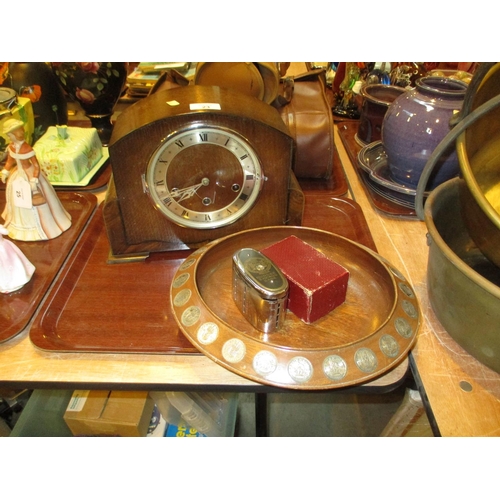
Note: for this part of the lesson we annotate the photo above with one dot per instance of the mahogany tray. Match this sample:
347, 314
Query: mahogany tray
366, 336
336, 185
347, 132
125, 308
17, 308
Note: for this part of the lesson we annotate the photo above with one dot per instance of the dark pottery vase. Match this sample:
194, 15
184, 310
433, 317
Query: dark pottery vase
376, 100
415, 124
96, 86
405, 74
36, 81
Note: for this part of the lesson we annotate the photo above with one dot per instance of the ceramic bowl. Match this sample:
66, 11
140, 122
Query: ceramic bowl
376, 101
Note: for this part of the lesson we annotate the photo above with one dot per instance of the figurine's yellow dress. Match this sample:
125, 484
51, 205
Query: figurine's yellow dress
40, 222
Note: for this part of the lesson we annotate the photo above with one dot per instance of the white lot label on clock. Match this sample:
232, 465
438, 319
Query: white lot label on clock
205, 105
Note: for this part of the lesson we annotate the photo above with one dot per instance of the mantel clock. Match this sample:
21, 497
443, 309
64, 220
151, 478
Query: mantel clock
194, 164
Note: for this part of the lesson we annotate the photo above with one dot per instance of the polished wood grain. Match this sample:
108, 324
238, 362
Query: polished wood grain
22, 365
443, 370
17, 308
335, 185
125, 307
337, 215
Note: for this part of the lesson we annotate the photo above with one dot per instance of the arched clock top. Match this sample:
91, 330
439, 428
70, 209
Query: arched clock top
198, 101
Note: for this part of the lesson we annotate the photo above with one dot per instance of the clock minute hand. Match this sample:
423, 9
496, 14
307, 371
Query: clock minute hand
187, 192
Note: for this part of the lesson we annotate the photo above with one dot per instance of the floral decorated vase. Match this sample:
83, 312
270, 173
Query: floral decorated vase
96, 86
36, 82
414, 125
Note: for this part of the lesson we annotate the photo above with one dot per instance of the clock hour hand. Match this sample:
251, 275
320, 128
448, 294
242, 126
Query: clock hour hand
187, 192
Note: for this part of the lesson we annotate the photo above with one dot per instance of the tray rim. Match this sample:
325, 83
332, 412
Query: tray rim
42, 336
46, 339
90, 201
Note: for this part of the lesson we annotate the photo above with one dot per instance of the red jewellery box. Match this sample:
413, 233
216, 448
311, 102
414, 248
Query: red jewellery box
317, 284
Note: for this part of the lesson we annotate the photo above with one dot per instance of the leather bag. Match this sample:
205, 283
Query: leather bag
306, 111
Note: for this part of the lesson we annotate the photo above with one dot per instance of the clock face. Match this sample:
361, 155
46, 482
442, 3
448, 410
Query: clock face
204, 177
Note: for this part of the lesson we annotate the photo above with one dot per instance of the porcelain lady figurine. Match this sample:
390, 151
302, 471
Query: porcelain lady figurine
33, 210
15, 269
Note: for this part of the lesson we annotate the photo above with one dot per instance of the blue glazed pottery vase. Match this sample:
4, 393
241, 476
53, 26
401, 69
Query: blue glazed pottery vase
415, 124
96, 86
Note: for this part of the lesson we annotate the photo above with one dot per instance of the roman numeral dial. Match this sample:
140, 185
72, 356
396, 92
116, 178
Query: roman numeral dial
204, 177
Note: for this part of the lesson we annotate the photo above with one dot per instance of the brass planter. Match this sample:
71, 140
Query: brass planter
463, 286
478, 150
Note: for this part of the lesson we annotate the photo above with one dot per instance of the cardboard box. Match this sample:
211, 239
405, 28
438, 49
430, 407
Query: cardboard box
109, 413
317, 284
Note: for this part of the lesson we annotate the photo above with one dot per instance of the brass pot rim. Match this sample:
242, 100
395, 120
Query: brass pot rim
472, 183
449, 254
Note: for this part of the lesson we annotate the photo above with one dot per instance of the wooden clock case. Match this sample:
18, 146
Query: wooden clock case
134, 226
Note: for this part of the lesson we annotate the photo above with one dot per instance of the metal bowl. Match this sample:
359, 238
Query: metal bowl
463, 286
478, 150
